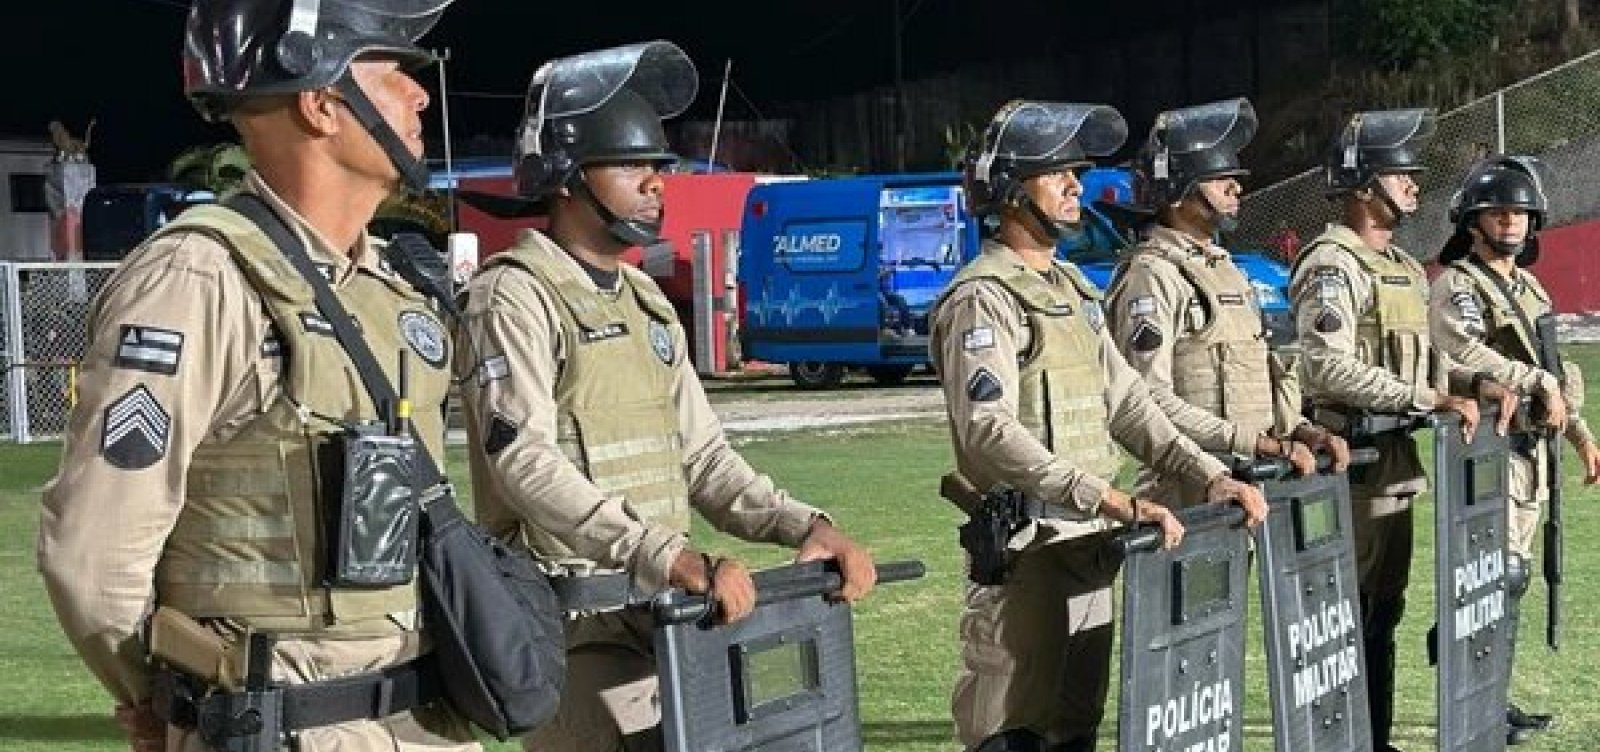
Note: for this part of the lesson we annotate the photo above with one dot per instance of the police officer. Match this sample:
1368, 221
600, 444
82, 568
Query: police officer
210, 387
1187, 319
1482, 313
1360, 310
592, 438
1038, 398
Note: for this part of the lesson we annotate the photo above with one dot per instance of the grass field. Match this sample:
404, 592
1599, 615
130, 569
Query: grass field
881, 484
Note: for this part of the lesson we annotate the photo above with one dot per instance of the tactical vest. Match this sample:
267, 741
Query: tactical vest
1063, 385
250, 542
1393, 333
1222, 366
616, 419
1503, 327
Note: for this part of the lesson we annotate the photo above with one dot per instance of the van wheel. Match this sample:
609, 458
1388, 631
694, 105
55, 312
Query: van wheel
815, 374
889, 375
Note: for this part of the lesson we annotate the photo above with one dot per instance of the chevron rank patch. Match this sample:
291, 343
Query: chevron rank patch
984, 387
1146, 339
134, 430
500, 434
146, 348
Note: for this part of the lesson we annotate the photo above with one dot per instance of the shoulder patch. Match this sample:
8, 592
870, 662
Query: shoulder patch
1095, 315
500, 434
1146, 338
426, 337
1329, 321
977, 338
984, 386
134, 430
493, 368
661, 341
146, 348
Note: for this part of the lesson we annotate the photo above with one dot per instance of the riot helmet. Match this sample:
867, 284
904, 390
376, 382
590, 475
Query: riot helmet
599, 107
1499, 182
1190, 145
1026, 139
1377, 142
236, 49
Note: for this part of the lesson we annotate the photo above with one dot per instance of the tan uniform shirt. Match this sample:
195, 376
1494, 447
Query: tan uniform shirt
509, 361
1150, 307
980, 327
103, 528
1330, 292
1458, 323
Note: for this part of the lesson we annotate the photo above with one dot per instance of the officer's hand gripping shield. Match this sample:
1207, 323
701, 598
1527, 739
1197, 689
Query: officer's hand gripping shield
1183, 616
781, 680
1476, 612
1311, 609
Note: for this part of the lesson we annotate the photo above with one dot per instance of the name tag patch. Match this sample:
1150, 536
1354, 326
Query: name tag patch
612, 330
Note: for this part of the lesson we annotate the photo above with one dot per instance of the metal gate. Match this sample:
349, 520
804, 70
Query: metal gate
44, 314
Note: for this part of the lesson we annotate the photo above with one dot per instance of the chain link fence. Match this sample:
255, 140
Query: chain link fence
1554, 116
44, 314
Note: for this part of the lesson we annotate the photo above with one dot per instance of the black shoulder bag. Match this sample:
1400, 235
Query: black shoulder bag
491, 614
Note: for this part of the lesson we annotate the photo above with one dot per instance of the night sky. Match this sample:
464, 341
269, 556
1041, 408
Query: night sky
118, 60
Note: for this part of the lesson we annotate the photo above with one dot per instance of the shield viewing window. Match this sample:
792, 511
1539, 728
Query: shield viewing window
1486, 478
775, 673
1200, 587
1316, 520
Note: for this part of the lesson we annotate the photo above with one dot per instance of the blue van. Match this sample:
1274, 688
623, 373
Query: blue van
837, 275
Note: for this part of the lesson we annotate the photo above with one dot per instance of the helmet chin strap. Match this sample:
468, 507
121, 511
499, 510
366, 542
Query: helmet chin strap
1502, 247
1054, 229
1401, 218
629, 231
413, 172
1225, 223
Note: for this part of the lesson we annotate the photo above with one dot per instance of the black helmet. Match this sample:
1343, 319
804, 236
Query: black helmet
1375, 143
1499, 182
235, 49
1027, 138
1192, 144
239, 48
599, 106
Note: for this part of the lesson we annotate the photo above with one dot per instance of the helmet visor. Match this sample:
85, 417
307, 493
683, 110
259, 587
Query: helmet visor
1228, 125
659, 71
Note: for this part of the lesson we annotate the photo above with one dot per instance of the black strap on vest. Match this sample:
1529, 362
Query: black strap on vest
344, 330
1522, 316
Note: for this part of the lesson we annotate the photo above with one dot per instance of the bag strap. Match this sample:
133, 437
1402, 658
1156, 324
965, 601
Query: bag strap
1482, 271
344, 330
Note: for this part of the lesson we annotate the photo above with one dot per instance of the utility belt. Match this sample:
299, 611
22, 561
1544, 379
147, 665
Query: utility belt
1359, 425
264, 716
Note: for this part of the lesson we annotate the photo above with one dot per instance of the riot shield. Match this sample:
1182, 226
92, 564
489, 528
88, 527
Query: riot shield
1183, 615
782, 679
1311, 619
1476, 616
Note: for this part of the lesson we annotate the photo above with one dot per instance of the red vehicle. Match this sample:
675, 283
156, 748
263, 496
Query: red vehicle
696, 263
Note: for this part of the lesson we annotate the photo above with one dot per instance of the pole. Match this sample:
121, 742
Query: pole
716, 127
